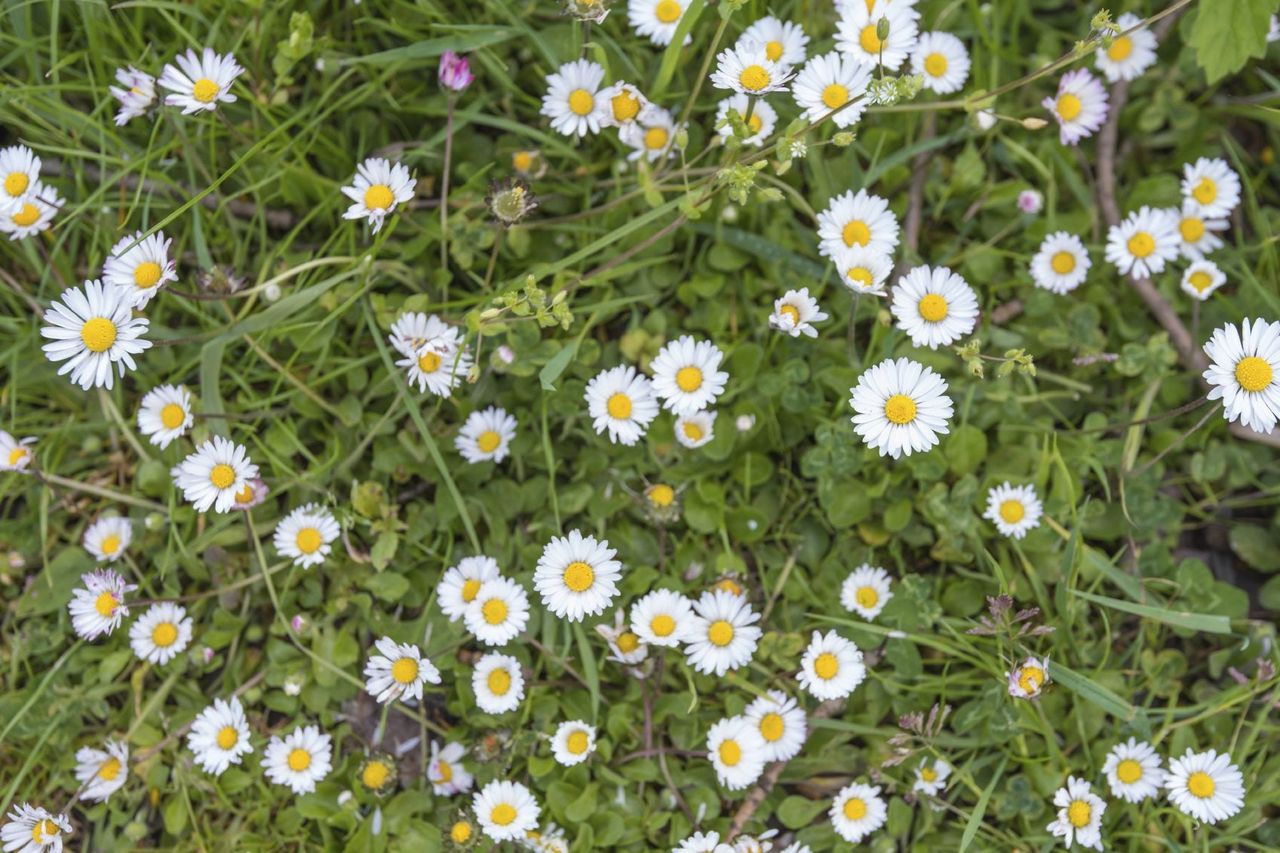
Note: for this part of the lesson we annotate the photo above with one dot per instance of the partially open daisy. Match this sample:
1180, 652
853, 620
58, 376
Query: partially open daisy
662, 617
829, 82
781, 724
760, 122
1205, 785
622, 105
97, 608
748, 70
577, 576
498, 613
857, 811
107, 538
200, 81
657, 19
31, 829
19, 176
461, 832
445, 771
1029, 679
573, 742
136, 92
1144, 242
300, 759
1199, 234
935, 306
165, 414
900, 407
866, 591
486, 436
214, 474
1212, 185
506, 811
857, 219
832, 667
378, 774
572, 100
1079, 108
379, 185
736, 751
931, 776
941, 61
621, 400
15, 454
1128, 55
687, 375
1061, 264
102, 772
219, 736
1201, 279
858, 34
795, 312
663, 503
498, 683
1133, 771
252, 494
460, 584
1079, 818
161, 634
398, 671
1245, 372
139, 266
695, 430
33, 214
95, 333
783, 41
625, 645
862, 269
306, 535
722, 634
1014, 510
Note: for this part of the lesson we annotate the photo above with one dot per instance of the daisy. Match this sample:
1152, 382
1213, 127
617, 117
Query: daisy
577, 576
107, 538
1245, 372
530, 163
1030, 202
858, 38
1206, 785
306, 534
413, 330
1079, 108
1014, 510
1201, 279
379, 185
15, 454
135, 93
1144, 242
1029, 679
102, 772
160, 634
832, 667
900, 407
300, 759
486, 436
460, 584
573, 742
721, 634
827, 83
795, 313
98, 608
621, 400
942, 62
445, 771
254, 492
857, 811
33, 214
439, 366
200, 82
139, 266
1212, 185
378, 773
866, 591
652, 137
94, 331
625, 646
699, 842
32, 829
1079, 818
1128, 55
219, 736
695, 430
505, 810
1198, 233
935, 306
499, 611
780, 722
736, 751
862, 269
783, 41
460, 833
657, 19
857, 219
687, 375
498, 683
1061, 264
572, 101
1133, 771
214, 474
165, 414
931, 776
662, 618
19, 176
622, 106
748, 70
398, 671
761, 122
662, 502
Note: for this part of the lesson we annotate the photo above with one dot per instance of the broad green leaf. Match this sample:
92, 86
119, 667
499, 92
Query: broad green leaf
1228, 33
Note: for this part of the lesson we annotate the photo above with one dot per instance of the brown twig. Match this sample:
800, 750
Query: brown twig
915, 193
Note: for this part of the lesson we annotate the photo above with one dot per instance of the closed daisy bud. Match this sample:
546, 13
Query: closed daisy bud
378, 774
15, 454
866, 591
107, 538
505, 810
94, 331
102, 772
498, 683
165, 414
378, 187
857, 811
200, 81
306, 535
1028, 680
97, 609
161, 634
445, 771
300, 759
398, 671
135, 93
1080, 107
573, 742
139, 266
1030, 202
832, 667
663, 503
455, 72
219, 736
31, 829
1079, 818
1014, 510
215, 475
592, 11
510, 200
736, 751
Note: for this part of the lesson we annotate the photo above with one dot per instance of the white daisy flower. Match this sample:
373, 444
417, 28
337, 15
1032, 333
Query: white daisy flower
498, 613
200, 82
1198, 233
102, 772
621, 400
486, 436
572, 100
1061, 264
254, 493
1029, 679
931, 777
1144, 242
460, 584
1133, 771
139, 266
625, 646
98, 608
827, 83
300, 759
781, 724
662, 618
1128, 55
621, 106
414, 330
446, 772
857, 811
1245, 372
862, 269
1079, 818
934, 306
858, 38
797, 847
1014, 510
136, 92
214, 474
1205, 785
722, 634
901, 407
219, 736
700, 842
687, 375
795, 312
379, 185
695, 430
1212, 185
573, 742
832, 667
439, 366
577, 576
94, 331
498, 683
161, 634
306, 535
107, 538
31, 829
165, 414
398, 671
783, 41
736, 751
33, 214
1079, 108
15, 454
652, 137
748, 70
866, 591
506, 811
19, 177
857, 219
942, 61
657, 19
1201, 279
761, 122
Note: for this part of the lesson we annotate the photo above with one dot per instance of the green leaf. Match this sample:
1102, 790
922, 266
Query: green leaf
589, 670
675, 48
551, 371
1228, 33
1091, 691
432, 48
1205, 622
388, 586
799, 812
1256, 546
980, 808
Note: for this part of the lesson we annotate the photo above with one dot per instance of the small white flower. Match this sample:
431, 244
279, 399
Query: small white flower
200, 82
866, 591
98, 608
1144, 242
135, 93
219, 736
625, 645
31, 829
1079, 818
107, 538
19, 176
701, 842
573, 742
857, 219
942, 61
1212, 185
1014, 510
498, 613
795, 312
445, 771
506, 811
657, 19
832, 667
761, 122
498, 683
857, 34
736, 751
15, 454
460, 584
1198, 233
101, 772
827, 83
695, 430
857, 811
1079, 108
398, 671
687, 375
1205, 785
1201, 279
901, 407
161, 634
622, 401
165, 414
214, 474
722, 635
862, 269
1133, 771
783, 41
379, 185
572, 98
621, 106
653, 137
1030, 201
306, 535
1245, 372
1129, 55
300, 759
1061, 264
139, 266
95, 333
662, 618
486, 436
1029, 679
781, 724
577, 576
33, 213
931, 777
934, 306
439, 366
748, 70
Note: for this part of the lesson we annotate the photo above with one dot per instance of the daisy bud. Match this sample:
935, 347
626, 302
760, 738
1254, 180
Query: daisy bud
455, 72
843, 139
271, 293
882, 29
507, 354
593, 11
986, 119
729, 213
1034, 123
745, 422
1030, 201
293, 684
298, 622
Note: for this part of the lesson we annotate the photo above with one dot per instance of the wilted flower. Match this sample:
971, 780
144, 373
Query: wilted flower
510, 200
593, 11
455, 71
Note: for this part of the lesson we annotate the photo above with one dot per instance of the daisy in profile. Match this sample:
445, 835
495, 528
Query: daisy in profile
398, 671
19, 175
748, 70
15, 454
1144, 242
857, 219
506, 811
1028, 680
934, 306
662, 618
761, 122
571, 101
1212, 185
219, 736
622, 106
653, 137
829, 82
795, 312
200, 81
573, 742
621, 400
942, 62
780, 722
1205, 785
1079, 818
214, 474
161, 634
577, 576
498, 683
379, 185
498, 613
858, 36
900, 407
1079, 108
1133, 771
31, 829
1245, 372
866, 591
832, 667
657, 19
736, 751
857, 811
1201, 279
625, 646
722, 634
931, 777
783, 41
102, 772
460, 584
34, 213
445, 771
107, 538
95, 333
695, 430
1199, 235
165, 414
486, 436
135, 93
687, 375
306, 535
300, 759
1128, 55
139, 266
97, 608
1014, 510
862, 269
1061, 264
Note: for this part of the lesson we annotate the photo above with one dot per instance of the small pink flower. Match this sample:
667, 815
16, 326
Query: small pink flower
455, 71
1030, 201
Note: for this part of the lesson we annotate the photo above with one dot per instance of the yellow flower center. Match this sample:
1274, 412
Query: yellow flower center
444, 770
754, 78
720, 633
870, 40
1253, 373
44, 830
205, 90
861, 275
1030, 678
856, 232
227, 737
826, 666
222, 475
581, 102
499, 682
667, 11
1069, 106
1206, 192
855, 808
502, 814
495, 611
17, 455
730, 753
375, 775
662, 625
98, 334
790, 311
245, 495
579, 576
309, 540
379, 197
1200, 280
1120, 49
577, 742
627, 642
773, 50
1201, 785
689, 379
867, 597
755, 123
110, 769
933, 308
165, 634
771, 726
488, 441
900, 409
522, 161
1012, 511
111, 544
16, 183
27, 216
106, 603
1141, 244
935, 65
461, 832
146, 274
662, 495
729, 585
625, 106
404, 670
1128, 771
172, 416
619, 406
928, 774
429, 362
692, 431
655, 138
1192, 229
469, 590
1063, 263
299, 760
1079, 813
